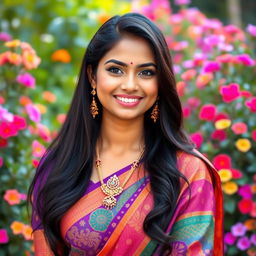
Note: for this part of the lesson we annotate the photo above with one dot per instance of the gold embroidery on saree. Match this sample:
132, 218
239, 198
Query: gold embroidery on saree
84, 237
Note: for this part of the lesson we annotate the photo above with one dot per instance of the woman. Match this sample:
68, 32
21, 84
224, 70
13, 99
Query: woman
121, 177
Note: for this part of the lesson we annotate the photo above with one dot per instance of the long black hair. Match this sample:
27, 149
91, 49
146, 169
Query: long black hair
69, 158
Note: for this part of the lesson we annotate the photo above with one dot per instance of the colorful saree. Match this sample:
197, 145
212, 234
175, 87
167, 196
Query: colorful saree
195, 228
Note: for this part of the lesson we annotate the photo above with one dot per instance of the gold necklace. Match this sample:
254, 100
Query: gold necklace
113, 188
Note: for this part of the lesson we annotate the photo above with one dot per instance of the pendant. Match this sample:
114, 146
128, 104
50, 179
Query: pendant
111, 189
109, 202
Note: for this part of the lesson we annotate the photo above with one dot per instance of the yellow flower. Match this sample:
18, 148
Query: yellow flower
225, 175
222, 124
42, 108
243, 145
230, 187
13, 43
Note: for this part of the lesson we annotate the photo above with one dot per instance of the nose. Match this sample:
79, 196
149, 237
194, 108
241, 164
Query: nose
130, 83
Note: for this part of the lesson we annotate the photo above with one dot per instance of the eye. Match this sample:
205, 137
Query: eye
147, 72
115, 70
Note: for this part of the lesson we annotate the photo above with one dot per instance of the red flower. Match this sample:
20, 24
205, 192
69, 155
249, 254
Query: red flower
220, 116
230, 92
3, 143
236, 174
219, 135
35, 163
222, 161
251, 104
246, 94
7, 130
245, 206
207, 112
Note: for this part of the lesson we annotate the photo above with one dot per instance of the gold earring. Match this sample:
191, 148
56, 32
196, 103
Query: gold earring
93, 107
155, 112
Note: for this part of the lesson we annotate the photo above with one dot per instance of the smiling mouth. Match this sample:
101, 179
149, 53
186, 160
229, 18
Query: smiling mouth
128, 100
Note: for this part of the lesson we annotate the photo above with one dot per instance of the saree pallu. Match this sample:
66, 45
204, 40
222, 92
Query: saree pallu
195, 228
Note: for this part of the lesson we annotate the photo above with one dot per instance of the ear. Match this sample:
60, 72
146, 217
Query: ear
91, 76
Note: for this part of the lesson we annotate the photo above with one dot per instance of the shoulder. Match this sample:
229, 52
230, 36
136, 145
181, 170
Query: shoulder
194, 167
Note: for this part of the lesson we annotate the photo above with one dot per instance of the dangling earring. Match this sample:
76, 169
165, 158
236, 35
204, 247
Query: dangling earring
155, 112
93, 107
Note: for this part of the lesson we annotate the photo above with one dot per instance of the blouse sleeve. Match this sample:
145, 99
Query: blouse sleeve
192, 228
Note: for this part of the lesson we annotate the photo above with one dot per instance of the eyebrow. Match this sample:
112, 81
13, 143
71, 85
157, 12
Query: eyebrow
125, 65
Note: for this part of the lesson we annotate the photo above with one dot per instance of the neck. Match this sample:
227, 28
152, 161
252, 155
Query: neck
120, 136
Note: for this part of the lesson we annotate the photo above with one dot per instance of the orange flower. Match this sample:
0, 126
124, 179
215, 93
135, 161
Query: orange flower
17, 227
253, 187
250, 224
230, 187
13, 43
30, 59
27, 232
225, 175
181, 88
61, 55
12, 196
24, 100
49, 96
103, 17
203, 79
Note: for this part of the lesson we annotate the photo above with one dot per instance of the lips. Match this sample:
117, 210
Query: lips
128, 100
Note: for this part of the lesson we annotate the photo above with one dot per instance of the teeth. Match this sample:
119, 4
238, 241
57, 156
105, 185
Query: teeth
126, 100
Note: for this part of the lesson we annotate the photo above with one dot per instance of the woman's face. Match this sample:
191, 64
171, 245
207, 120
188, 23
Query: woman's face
126, 79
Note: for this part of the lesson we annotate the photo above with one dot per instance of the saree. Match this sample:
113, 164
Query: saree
195, 227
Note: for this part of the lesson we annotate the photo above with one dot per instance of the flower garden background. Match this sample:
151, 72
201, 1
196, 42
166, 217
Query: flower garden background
215, 67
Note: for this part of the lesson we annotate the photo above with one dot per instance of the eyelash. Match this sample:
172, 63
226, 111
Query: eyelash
111, 69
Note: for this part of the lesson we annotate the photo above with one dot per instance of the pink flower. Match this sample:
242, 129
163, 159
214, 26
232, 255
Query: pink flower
221, 115
254, 135
245, 59
194, 102
230, 92
211, 66
4, 238
1, 161
219, 135
188, 74
197, 138
186, 111
229, 238
238, 229
33, 113
7, 130
251, 104
19, 122
239, 128
35, 163
5, 37
225, 58
213, 40
207, 112
245, 206
253, 239
37, 149
26, 79
5, 115
203, 79
243, 243
182, 2
251, 29
245, 191
222, 161
246, 94
23, 196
